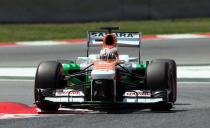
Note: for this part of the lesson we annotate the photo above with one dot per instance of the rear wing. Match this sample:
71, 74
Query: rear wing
124, 39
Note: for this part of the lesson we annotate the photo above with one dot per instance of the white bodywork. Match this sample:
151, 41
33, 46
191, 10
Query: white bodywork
103, 74
67, 95
142, 100
140, 96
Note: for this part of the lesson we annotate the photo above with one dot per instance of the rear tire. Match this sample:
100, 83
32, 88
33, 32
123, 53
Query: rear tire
160, 76
49, 75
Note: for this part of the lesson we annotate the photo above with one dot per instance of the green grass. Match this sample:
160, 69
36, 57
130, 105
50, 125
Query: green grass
29, 32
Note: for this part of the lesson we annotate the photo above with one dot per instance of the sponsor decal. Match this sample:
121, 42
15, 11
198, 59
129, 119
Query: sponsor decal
138, 93
118, 35
69, 92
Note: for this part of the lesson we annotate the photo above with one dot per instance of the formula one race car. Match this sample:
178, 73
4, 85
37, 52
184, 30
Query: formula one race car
107, 78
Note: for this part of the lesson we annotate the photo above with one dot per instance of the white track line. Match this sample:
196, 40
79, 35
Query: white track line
14, 116
38, 43
17, 72
181, 36
188, 72
202, 72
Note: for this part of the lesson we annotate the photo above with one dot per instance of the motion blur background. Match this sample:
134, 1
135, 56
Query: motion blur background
41, 11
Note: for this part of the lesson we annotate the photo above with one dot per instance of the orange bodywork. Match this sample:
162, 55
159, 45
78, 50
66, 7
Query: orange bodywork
104, 65
109, 42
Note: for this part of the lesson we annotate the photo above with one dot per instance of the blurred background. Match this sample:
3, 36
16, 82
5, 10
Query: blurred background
53, 11
29, 20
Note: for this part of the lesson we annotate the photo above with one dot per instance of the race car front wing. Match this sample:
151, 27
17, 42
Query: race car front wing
70, 96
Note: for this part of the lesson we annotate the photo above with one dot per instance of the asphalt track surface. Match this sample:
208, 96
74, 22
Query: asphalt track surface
192, 108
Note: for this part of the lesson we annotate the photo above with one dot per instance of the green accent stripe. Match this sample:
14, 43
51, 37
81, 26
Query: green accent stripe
71, 66
141, 66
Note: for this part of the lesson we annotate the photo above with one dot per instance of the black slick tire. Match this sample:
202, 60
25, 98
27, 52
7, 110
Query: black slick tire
49, 75
173, 69
160, 76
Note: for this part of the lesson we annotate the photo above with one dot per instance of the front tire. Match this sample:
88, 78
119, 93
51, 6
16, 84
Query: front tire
160, 76
173, 69
49, 75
